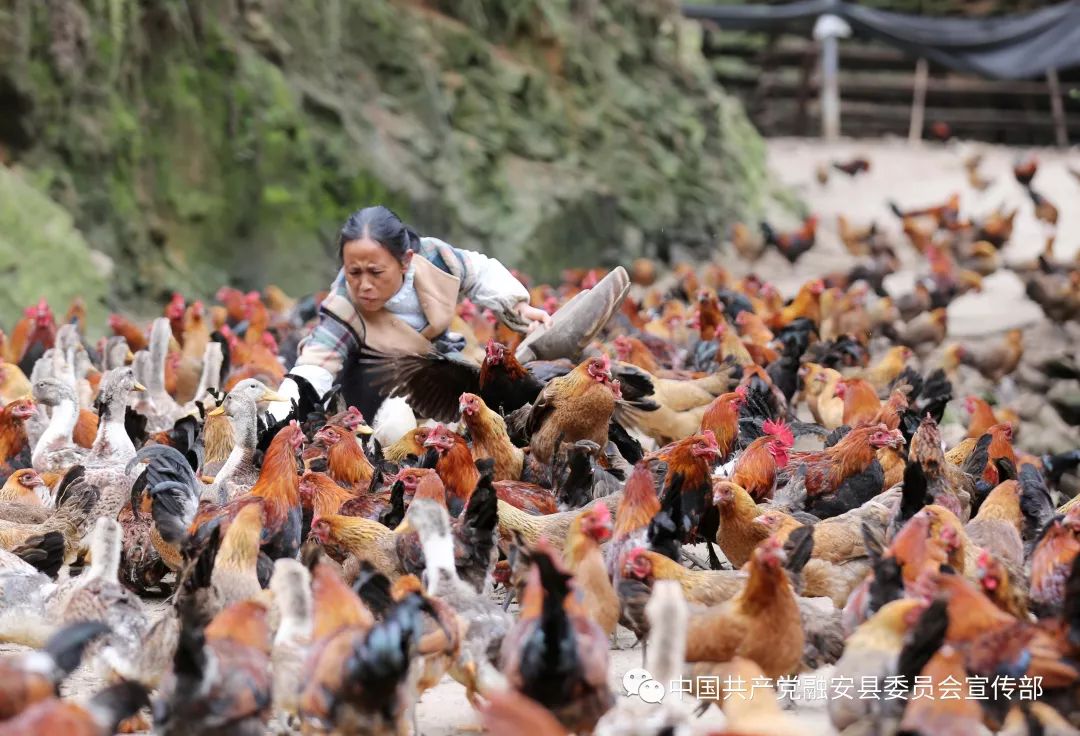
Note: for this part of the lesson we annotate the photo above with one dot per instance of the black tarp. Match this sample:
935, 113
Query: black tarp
1009, 47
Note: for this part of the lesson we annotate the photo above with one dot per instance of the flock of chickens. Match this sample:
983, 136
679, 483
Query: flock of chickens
753, 487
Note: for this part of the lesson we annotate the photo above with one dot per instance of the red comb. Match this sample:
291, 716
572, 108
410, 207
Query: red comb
780, 431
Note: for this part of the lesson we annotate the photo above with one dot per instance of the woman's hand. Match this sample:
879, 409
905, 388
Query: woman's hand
535, 317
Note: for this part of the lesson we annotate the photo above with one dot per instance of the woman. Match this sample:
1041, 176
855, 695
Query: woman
396, 293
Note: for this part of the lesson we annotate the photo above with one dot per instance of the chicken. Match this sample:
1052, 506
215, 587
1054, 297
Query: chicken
983, 417
220, 681
178, 513
346, 462
290, 585
410, 443
842, 477
100, 716
853, 167
1051, 561
762, 623
364, 539
555, 654
1001, 586
688, 475
459, 473
948, 708
360, 676
999, 526
749, 245
489, 438
680, 406
757, 713
997, 228
515, 523
75, 501
1024, 169
861, 404
995, 360
14, 385
874, 651
819, 390
756, 469
34, 676
925, 329
721, 417
584, 560
509, 711
21, 498
946, 484
231, 556
884, 373
1044, 208
484, 624
638, 505
794, 243
704, 587
807, 303
577, 406
738, 535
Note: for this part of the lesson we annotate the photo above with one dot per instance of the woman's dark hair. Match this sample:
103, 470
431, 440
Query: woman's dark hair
381, 225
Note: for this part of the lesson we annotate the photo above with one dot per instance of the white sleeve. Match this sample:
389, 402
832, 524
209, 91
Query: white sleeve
493, 286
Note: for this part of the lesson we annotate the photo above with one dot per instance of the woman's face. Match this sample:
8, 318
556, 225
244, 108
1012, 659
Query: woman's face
372, 273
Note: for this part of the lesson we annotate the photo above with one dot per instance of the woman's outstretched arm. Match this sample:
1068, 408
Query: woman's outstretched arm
486, 281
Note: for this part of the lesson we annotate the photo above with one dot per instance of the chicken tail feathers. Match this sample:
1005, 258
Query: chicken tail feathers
44, 551
799, 547
117, 703
976, 461
1058, 465
1036, 504
913, 492
381, 662
374, 590
66, 646
1071, 611
924, 639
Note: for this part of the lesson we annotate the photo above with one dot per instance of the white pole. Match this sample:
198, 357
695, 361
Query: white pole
918, 102
827, 31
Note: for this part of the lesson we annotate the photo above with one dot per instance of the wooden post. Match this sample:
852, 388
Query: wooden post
918, 101
828, 31
1061, 131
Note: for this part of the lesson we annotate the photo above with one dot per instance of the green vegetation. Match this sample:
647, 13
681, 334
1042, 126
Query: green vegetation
200, 142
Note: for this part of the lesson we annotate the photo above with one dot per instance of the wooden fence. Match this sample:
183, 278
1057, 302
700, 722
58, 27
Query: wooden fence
778, 79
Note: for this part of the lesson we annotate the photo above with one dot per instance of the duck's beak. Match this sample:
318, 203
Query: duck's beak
365, 430
272, 396
404, 527
217, 412
130, 356
138, 387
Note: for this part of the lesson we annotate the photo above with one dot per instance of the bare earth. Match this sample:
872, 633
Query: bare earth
912, 177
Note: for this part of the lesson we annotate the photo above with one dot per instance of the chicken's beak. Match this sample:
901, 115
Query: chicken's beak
217, 412
269, 396
130, 356
138, 387
404, 527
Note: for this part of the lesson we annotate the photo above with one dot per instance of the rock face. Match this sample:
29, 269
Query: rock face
199, 142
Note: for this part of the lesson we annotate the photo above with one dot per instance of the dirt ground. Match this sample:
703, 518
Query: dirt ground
912, 177
922, 176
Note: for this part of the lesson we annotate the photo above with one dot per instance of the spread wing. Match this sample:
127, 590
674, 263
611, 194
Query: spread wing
431, 383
